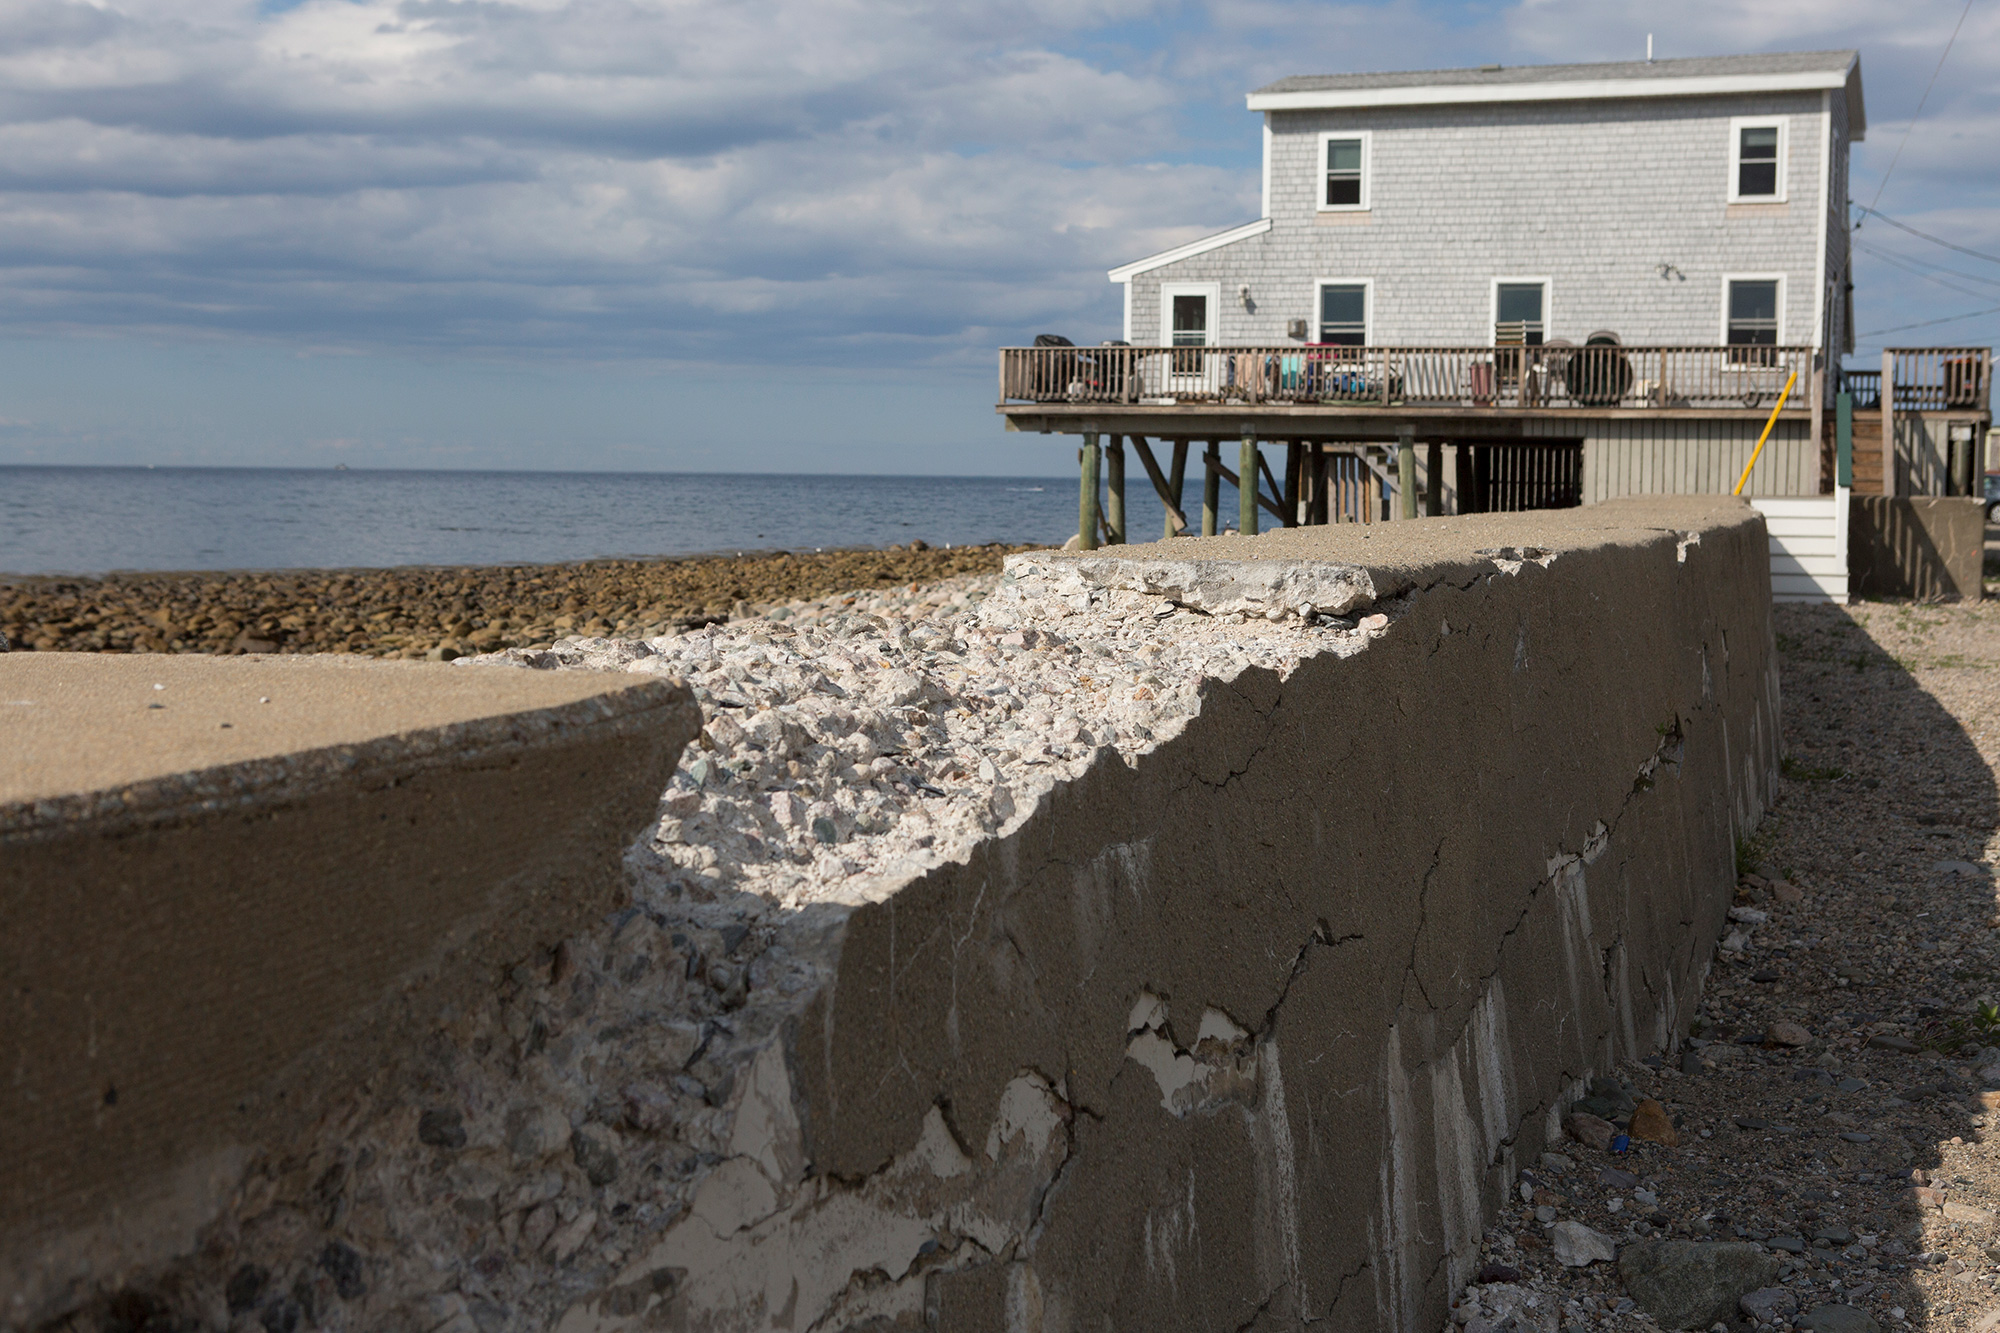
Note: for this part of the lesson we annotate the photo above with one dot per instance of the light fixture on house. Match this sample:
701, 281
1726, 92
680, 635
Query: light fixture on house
1243, 295
1667, 270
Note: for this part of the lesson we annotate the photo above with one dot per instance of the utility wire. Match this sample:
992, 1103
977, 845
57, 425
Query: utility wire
1926, 323
1920, 107
1914, 271
1904, 260
1934, 240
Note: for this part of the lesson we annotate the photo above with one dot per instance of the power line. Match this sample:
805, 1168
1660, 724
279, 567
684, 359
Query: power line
1926, 323
1912, 269
1926, 264
1934, 240
1920, 107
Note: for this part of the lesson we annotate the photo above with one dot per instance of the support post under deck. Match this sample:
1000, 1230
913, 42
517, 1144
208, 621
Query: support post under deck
1433, 480
1246, 486
1114, 489
1175, 478
1406, 471
1211, 488
1086, 507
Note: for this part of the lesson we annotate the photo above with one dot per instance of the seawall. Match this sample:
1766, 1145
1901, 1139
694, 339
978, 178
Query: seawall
1240, 1017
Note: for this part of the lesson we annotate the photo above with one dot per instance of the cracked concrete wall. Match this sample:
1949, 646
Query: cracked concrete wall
1248, 1031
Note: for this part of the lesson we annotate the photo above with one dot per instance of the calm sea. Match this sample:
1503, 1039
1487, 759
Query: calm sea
90, 520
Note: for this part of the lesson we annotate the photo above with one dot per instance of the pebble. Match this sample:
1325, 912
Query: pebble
448, 613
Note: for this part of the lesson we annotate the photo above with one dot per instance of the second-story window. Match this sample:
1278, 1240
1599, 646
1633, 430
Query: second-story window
1757, 161
1343, 171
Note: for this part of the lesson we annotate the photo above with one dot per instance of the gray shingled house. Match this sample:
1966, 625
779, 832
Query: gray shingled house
1515, 287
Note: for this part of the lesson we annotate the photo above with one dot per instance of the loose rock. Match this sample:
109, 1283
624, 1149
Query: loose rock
1692, 1284
1576, 1245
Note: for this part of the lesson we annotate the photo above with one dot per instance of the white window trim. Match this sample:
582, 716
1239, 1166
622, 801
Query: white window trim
1267, 169
1367, 286
1169, 290
1367, 171
1738, 124
1722, 337
1548, 305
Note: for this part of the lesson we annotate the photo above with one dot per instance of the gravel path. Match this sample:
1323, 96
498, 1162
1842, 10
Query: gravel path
1832, 1101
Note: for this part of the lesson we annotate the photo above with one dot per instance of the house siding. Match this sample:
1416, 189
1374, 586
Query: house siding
1593, 196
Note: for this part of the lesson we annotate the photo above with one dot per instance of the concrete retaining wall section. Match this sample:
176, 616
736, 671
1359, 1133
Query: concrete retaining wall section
1306, 980
1242, 1023
1918, 546
232, 885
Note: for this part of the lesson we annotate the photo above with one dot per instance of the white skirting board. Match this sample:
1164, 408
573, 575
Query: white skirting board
1808, 546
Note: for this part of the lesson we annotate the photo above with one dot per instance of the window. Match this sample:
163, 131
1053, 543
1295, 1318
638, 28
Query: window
1752, 319
1344, 166
1343, 313
1519, 312
1190, 321
1188, 313
1757, 161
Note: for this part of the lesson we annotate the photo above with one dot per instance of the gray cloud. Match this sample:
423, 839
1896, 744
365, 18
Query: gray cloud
681, 181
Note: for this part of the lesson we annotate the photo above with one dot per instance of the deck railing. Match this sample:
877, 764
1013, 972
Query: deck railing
1941, 379
1539, 378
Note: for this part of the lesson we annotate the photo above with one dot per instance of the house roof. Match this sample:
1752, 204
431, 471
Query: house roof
1697, 76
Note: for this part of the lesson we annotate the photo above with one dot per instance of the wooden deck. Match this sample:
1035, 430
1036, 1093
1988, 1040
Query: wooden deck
1177, 390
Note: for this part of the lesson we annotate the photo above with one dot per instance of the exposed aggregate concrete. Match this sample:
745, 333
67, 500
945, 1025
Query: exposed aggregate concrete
843, 757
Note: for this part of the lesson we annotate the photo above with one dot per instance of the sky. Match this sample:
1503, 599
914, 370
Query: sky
651, 235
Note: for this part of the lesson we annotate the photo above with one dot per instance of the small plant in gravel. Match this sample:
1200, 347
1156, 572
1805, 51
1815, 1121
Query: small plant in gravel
1950, 1035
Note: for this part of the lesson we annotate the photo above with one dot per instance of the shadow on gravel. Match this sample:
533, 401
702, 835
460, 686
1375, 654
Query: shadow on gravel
1884, 818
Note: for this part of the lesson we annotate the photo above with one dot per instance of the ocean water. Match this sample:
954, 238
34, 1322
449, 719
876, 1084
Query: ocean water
93, 520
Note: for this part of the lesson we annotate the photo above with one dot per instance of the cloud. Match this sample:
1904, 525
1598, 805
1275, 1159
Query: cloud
826, 182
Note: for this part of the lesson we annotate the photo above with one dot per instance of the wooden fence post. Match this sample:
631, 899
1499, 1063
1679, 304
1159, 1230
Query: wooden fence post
1086, 509
1888, 423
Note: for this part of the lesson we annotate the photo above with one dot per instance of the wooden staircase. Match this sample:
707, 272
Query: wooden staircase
1868, 453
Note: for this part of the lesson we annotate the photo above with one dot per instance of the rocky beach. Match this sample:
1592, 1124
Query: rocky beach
445, 612
1819, 1153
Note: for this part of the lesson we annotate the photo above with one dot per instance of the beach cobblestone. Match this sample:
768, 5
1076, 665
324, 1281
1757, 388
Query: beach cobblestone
444, 612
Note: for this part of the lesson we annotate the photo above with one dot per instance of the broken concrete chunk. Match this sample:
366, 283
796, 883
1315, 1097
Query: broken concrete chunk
1577, 1246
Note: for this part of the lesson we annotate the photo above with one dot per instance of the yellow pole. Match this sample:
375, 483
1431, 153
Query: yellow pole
1744, 480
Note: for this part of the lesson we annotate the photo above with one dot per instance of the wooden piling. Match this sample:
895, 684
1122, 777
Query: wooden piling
1086, 515
1294, 465
1174, 482
1114, 489
1433, 479
1211, 488
1406, 471
1246, 485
